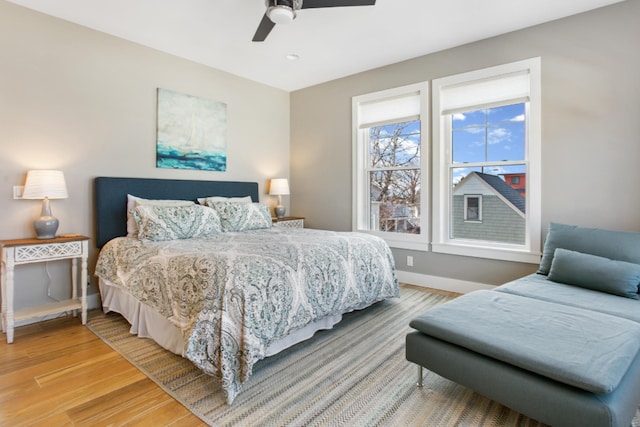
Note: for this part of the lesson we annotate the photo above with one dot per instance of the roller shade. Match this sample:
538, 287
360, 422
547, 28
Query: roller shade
484, 93
389, 110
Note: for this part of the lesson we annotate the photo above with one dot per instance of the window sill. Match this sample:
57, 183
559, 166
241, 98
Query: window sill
402, 241
503, 254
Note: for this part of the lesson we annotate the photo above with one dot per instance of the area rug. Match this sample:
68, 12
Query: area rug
354, 374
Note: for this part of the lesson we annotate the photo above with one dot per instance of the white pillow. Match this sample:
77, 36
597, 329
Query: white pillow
133, 202
212, 199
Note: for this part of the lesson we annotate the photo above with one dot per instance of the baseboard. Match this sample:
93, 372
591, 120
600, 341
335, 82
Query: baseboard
442, 283
93, 301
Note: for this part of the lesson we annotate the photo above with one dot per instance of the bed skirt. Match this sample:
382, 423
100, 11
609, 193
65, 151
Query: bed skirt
147, 323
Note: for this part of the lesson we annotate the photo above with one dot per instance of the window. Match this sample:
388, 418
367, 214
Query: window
486, 163
390, 165
488, 138
472, 208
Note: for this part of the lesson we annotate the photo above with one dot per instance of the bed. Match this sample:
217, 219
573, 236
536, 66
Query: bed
226, 295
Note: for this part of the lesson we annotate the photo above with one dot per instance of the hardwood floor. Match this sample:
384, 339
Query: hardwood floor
58, 373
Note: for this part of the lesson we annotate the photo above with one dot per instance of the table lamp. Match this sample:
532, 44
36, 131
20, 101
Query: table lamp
279, 187
45, 185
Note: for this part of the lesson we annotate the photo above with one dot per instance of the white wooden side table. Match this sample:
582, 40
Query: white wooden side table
26, 251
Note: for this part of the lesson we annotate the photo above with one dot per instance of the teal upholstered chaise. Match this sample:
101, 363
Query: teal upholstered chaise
561, 346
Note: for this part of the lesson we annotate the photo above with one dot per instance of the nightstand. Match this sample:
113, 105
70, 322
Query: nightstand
289, 221
28, 251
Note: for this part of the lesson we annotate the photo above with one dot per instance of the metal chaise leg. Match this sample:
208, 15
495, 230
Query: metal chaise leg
420, 376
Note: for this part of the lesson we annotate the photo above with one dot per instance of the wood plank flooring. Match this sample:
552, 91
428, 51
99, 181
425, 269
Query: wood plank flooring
58, 373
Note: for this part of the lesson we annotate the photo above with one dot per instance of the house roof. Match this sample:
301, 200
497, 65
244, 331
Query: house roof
509, 193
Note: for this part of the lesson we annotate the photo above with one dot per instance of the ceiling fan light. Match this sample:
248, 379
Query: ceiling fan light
281, 14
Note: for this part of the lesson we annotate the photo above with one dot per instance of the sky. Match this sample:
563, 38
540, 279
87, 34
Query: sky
489, 135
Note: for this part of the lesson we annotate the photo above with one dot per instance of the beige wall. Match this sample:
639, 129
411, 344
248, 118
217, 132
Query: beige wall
590, 130
85, 102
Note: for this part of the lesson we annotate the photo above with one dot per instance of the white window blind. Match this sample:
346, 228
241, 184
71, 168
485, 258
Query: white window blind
509, 88
394, 109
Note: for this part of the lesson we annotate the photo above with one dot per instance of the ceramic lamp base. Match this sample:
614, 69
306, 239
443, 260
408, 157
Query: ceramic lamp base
46, 227
279, 211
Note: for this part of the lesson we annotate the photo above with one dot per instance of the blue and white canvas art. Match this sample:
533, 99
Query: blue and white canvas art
191, 132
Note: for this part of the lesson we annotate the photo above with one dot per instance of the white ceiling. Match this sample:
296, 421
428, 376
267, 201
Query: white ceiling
331, 42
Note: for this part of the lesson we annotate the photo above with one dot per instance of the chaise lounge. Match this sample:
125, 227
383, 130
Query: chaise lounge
561, 346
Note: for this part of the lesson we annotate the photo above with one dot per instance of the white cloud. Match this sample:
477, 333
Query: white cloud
474, 130
499, 135
458, 116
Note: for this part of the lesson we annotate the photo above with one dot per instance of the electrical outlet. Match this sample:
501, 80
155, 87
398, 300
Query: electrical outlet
18, 190
409, 261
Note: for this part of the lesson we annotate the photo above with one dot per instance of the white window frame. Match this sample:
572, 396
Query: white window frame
361, 169
442, 147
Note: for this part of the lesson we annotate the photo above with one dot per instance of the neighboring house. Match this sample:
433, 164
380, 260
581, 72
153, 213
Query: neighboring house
517, 181
387, 216
485, 207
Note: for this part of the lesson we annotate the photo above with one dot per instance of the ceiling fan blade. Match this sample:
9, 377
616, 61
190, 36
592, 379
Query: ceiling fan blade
311, 4
265, 27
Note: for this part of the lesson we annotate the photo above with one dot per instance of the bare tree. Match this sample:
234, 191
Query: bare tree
395, 155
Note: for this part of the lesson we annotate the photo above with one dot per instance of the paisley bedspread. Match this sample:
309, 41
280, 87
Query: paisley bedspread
231, 294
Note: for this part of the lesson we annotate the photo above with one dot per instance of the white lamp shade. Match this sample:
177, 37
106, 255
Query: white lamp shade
279, 187
45, 183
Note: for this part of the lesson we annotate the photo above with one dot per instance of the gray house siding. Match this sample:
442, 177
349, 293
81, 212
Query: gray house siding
499, 223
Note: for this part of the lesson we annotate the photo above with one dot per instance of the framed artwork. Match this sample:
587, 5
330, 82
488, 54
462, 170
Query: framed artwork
191, 132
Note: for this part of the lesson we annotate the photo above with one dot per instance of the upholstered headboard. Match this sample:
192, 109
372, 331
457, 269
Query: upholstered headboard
110, 198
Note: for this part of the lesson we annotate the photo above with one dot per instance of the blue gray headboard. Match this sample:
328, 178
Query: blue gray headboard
110, 198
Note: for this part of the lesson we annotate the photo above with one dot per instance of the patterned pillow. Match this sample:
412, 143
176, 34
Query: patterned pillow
242, 216
159, 223
133, 201
205, 200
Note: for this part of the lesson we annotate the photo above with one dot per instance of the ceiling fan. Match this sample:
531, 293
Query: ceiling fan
284, 12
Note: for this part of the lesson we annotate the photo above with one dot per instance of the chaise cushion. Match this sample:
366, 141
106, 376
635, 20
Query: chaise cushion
615, 245
581, 348
538, 286
594, 272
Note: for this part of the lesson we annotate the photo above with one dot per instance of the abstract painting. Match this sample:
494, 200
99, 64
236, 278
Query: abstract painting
191, 132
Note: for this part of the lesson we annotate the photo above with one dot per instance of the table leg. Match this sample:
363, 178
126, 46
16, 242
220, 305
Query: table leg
7, 282
74, 282
83, 281
3, 285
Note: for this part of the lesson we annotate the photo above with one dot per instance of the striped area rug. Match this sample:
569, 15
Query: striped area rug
354, 374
